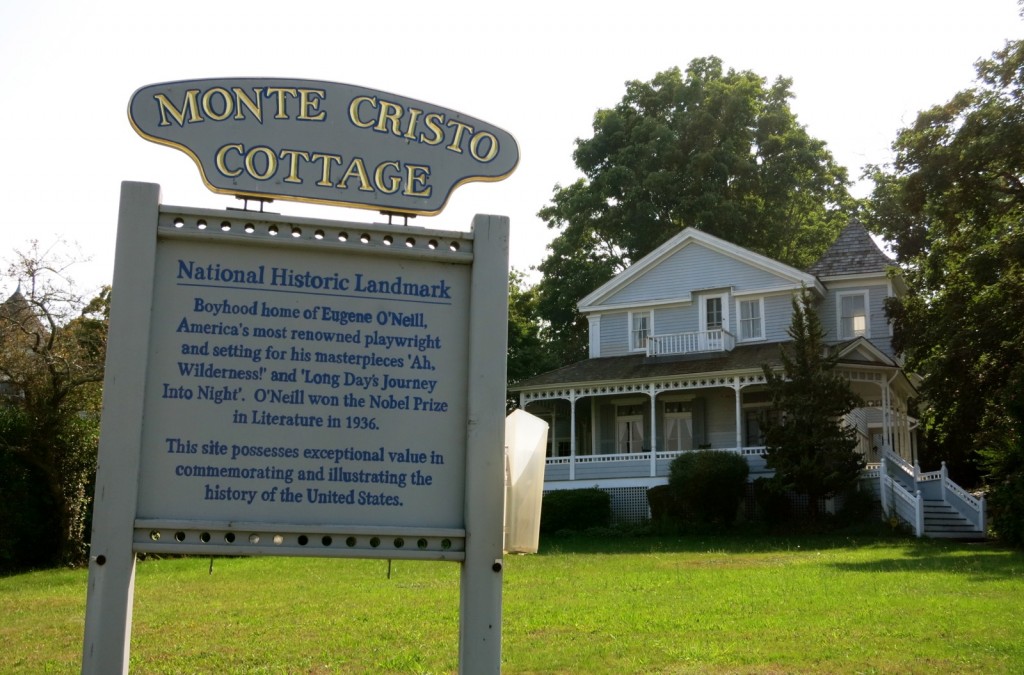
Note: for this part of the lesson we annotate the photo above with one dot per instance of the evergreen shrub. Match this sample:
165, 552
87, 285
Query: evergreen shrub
709, 485
575, 510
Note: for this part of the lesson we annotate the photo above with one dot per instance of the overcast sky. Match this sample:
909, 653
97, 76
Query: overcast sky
860, 72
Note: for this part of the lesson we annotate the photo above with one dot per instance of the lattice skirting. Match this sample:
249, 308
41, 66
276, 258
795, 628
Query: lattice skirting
629, 504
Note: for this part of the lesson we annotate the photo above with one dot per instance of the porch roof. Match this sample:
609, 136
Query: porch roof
744, 358
642, 367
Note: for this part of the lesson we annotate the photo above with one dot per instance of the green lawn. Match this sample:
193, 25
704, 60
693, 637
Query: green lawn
649, 604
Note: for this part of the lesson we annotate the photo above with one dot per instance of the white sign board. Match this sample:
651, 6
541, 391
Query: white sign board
300, 387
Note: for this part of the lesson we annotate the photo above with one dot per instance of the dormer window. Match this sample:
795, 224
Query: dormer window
639, 330
853, 315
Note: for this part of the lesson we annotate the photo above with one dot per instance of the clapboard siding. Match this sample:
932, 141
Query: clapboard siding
878, 322
695, 266
778, 317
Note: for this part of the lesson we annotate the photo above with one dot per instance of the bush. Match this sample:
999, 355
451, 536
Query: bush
709, 484
575, 510
1005, 505
771, 505
662, 503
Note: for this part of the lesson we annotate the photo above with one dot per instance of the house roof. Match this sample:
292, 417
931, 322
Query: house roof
641, 367
854, 252
687, 236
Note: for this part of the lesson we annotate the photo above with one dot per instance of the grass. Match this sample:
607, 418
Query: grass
584, 605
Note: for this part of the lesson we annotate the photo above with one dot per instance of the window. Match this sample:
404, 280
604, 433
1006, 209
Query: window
678, 420
630, 423
639, 330
754, 436
853, 318
751, 323
713, 313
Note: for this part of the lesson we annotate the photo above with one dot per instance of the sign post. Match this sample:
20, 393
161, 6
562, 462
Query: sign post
301, 387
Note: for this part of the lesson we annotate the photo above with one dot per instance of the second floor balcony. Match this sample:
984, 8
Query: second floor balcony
695, 342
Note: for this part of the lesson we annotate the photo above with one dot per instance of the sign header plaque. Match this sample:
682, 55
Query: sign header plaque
322, 142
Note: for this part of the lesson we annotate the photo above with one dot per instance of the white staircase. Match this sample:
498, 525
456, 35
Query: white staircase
942, 521
930, 503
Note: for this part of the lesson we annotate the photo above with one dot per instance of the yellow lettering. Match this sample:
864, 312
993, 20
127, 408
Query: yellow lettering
226, 104
325, 176
492, 148
416, 176
433, 122
414, 116
282, 94
457, 141
357, 170
242, 99
268, 157
393, 183
309, 101
389, 112
353, 110
293, 164
222, 165
189, 106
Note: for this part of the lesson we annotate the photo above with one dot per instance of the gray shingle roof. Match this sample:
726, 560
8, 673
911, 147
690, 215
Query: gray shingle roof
854, 252
639, 367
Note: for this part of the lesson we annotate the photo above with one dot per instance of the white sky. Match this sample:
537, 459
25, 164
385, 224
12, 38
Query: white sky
860, 72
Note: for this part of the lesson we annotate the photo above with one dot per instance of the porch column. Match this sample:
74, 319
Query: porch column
572, 434
652, 392
739, 414
886, 416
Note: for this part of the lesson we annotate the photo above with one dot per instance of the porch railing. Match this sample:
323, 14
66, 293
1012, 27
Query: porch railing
648, 458
718, 340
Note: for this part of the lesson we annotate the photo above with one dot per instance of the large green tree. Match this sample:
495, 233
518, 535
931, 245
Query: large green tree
719, 150
952, 203
528, 352
52, 351
811, 451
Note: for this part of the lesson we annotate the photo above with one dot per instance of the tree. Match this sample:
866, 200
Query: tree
528, 352
52, 351
952, 203
811, 451
719, 151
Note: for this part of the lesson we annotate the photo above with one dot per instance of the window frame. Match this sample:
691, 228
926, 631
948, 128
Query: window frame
648, 317
840, 296
740, 320
703, 311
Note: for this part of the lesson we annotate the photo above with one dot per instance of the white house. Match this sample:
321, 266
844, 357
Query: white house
676, 348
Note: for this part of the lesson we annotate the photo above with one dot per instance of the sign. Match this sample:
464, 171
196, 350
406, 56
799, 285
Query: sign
320, 386
322, 142
287, 386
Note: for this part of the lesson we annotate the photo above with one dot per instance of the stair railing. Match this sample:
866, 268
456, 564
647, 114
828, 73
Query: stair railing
899, 502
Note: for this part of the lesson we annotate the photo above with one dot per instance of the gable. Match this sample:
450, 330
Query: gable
862, 351
690, 262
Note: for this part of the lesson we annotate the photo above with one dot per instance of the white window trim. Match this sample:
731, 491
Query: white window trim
703, 314
839, 313
739, 319
629, 328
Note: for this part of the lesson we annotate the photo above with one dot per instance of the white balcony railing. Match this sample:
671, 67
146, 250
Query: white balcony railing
718, 340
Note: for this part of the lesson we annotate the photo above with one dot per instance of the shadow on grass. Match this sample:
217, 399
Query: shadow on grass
739, 539
979, 561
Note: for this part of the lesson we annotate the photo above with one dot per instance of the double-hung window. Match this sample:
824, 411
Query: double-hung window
751, 319
639, 330
853, 315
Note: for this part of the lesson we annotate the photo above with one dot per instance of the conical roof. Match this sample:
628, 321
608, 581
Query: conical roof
854, 252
